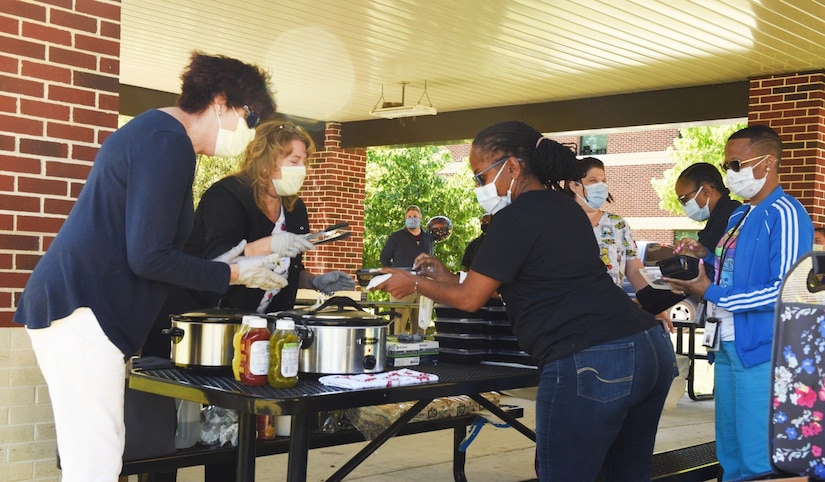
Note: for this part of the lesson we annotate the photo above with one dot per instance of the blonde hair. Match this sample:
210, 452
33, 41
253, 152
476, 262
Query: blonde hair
273, 140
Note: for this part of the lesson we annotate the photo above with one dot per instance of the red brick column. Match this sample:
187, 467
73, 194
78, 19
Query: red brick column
794, 105
59, 67
334, 192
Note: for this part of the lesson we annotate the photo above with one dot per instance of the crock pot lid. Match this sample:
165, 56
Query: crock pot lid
217, 315
332, 316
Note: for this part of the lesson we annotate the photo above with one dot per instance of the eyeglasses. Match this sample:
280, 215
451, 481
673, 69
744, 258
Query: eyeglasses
683, 199
478, 178
735, 164
252, 117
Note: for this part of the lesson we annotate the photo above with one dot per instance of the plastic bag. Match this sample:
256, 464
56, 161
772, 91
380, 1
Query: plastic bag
219, 426
373, 420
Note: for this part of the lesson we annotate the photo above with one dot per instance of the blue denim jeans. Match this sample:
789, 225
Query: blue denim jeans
598, 410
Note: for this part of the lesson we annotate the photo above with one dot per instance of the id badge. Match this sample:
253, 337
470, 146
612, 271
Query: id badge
711, 339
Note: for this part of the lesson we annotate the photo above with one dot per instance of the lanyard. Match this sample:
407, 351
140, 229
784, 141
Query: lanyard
725, 246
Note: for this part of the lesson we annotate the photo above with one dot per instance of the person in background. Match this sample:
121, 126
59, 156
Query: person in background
617, 249
472, 248
606, 365
400, 250
763, 240
90, 301
819, 238
704, 197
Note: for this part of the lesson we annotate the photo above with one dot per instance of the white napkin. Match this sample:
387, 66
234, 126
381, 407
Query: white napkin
377, 280
395, 378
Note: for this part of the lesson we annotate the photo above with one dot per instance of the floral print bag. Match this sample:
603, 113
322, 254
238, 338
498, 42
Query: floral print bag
797, 442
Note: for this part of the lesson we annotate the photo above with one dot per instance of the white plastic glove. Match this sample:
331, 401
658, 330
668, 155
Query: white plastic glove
333, 281
253, 273
233, 253
289, 244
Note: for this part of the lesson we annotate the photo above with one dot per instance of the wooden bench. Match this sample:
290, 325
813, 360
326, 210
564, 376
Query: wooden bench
219, 462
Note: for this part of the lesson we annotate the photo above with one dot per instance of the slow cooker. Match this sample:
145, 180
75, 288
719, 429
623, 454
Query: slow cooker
339, 337
203, 338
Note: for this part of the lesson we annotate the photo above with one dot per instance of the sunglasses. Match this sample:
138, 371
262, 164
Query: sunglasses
683, 199
735, 164
252, 117
478, 177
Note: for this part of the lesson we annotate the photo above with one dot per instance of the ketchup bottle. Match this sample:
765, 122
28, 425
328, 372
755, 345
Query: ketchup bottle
255, 353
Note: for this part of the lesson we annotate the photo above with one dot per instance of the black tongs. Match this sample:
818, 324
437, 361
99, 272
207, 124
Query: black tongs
332, 233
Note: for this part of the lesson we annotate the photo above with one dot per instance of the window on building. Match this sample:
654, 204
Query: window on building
593, 144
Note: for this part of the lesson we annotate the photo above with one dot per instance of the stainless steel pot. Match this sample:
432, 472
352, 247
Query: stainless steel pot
339, 337
203, 339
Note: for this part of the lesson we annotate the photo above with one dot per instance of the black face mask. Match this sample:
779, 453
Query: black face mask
484, 227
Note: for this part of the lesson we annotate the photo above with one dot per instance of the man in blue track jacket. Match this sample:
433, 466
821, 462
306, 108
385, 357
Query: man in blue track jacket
764, 238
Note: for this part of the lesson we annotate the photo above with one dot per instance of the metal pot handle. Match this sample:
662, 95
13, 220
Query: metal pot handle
340, 302
306, 335
176, 334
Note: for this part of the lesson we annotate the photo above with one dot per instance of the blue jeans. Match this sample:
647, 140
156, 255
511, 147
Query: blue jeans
742, 397
598, 410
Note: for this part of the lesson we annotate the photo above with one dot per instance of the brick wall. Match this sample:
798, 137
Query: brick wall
334, 192
59, 66
794, 105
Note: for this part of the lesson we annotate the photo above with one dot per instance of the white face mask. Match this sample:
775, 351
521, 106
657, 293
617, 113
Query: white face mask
596, 194
693, 211
487, 195
743, 184
232, 143
292, 178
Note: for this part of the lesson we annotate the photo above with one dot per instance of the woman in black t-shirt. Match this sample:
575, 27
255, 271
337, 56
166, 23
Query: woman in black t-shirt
606, 365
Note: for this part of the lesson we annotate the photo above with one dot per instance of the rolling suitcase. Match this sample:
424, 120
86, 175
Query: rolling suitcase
797, 439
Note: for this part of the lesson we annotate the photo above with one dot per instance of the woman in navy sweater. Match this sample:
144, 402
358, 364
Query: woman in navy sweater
92, 298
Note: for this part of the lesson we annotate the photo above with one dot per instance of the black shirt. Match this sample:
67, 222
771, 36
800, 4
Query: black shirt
559, 297
716, 226
401, 248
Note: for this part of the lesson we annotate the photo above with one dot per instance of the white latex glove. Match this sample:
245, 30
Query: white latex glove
233, 253
333, 281
289, 244
253, 273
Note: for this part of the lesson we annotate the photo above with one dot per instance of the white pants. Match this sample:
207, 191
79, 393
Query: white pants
85, 374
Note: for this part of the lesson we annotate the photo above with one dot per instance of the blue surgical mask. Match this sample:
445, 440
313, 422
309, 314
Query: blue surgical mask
595, 195
412, 223
693, 211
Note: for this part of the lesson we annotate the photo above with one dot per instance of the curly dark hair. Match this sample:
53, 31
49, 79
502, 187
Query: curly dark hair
209, 75
541, 157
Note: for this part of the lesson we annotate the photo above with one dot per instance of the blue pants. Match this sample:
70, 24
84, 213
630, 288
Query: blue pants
599, 409
742, 412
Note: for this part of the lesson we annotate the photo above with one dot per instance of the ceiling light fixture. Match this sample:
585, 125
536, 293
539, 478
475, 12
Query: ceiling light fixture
395, 110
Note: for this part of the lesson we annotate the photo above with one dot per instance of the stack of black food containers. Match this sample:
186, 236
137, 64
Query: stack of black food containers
485, 335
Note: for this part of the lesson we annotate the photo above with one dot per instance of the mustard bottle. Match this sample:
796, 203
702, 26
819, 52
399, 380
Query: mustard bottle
236, 346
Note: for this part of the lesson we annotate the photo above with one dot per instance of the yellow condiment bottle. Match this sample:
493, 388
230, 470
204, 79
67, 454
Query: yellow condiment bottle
236, 345
284, 352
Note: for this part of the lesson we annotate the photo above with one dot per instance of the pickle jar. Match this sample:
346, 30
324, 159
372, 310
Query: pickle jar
284, 351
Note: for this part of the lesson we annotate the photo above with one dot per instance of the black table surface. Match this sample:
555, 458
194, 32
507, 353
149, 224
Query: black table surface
311, 396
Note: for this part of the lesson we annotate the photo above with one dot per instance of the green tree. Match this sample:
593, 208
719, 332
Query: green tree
209, 170
695, 144
397, 178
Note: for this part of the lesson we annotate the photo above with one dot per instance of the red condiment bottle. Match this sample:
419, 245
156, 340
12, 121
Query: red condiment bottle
255, 353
